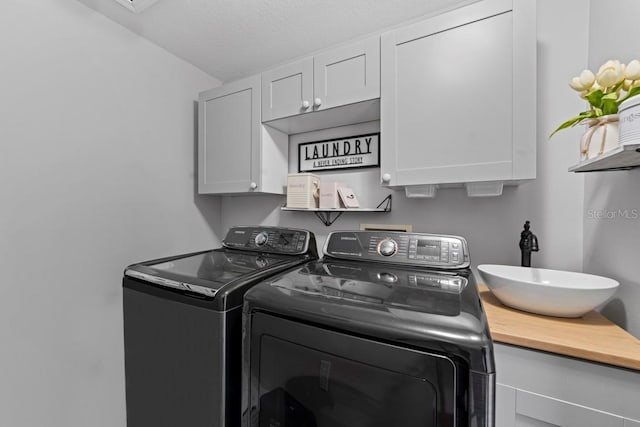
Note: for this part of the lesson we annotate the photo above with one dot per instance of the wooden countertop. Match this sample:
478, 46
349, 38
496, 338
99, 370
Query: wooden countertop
592, 337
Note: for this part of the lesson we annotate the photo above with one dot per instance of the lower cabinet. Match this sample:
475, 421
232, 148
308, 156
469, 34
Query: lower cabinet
524, 409
537, 389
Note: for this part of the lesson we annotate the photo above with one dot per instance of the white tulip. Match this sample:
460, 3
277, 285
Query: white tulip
583, 82
610, 73
627, 85
576, 84
587, 78
607, 78
612, 63
633, 70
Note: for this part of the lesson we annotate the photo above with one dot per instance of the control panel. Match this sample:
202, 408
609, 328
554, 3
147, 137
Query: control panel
275, 240
419, 249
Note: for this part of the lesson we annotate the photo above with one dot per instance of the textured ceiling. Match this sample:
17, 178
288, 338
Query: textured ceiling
230, 39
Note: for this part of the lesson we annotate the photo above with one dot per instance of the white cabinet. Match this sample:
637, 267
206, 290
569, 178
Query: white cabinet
538, 389
347, 74
288, 90
534, 410
236, 153
505, 406
458, 96
341, 76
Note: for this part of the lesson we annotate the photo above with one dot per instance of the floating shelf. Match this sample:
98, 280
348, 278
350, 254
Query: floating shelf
325, 215
623, 157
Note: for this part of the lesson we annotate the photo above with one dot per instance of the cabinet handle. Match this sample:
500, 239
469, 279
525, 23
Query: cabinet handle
386, 177
317, 102
305, 104
253, 185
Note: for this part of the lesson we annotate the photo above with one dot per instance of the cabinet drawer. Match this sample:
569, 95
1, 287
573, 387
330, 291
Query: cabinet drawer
537, 410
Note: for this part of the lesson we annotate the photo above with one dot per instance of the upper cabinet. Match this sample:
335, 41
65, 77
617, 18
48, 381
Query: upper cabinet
288, 90
339, 77
455, 95
458, 97
236, 153
347, 74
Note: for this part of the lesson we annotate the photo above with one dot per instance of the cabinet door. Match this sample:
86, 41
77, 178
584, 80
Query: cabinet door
287, 90
452, 97
229, 138
535, 410
505, 406
347, 74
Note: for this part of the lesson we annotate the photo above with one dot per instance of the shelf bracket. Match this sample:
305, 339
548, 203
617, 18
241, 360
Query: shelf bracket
329, 216
325, 217
385, 204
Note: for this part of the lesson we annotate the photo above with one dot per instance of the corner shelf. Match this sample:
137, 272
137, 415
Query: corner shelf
623, 157
324, 215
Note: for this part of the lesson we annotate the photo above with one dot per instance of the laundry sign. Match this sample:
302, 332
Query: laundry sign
362, 151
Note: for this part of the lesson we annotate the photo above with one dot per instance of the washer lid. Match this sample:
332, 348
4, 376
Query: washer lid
207, 272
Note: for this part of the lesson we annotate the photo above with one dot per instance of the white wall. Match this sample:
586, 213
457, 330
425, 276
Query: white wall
553, 202
611, 245
96, 172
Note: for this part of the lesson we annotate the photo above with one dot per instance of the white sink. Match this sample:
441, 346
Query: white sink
549, 292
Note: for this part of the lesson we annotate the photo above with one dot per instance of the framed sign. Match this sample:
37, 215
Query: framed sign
361, 151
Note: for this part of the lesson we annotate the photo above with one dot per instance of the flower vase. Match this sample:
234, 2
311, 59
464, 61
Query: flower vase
602, 135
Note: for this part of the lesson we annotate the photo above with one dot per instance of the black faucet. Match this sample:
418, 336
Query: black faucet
528, 244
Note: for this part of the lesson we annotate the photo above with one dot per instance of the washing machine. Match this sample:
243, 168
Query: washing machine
183, 326
386, 330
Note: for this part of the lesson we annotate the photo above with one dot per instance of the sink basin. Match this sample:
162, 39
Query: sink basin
549, 292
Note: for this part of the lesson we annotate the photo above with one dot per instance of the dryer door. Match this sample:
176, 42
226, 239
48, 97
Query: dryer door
306, 376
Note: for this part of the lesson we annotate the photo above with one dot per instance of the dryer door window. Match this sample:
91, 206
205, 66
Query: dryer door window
305, 376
